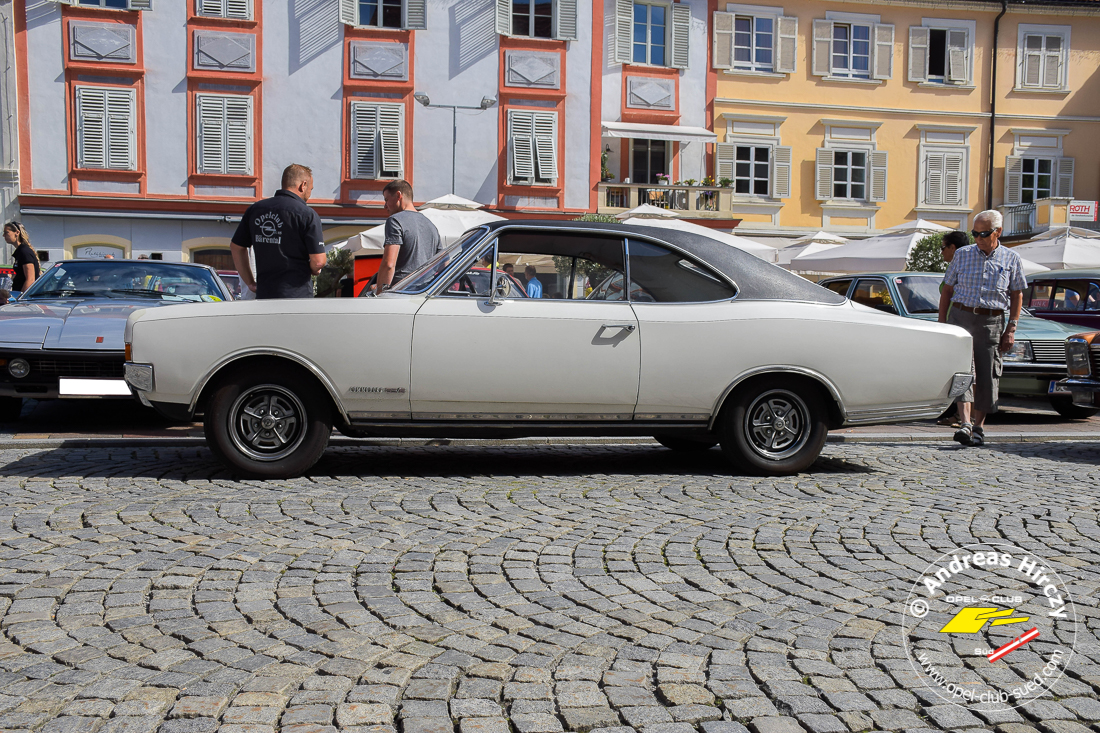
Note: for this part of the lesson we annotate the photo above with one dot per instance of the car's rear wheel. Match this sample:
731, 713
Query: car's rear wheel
774, 426
10, 408
271, 423
685, 445
1064, 406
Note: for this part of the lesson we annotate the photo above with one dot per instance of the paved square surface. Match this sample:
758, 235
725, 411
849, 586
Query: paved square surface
531, 589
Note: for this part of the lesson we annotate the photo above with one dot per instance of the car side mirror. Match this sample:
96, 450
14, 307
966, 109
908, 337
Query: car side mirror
503, 290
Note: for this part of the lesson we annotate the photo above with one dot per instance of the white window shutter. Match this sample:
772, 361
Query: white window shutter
918, 53
238, 135
1032, 61
238, 9
565, 24
1052, 68
349, 12
724, 156
141, 4
121, 129
624, 31
504, 17
884, 51
211, 8
958, 71
91, 128
785, 52
1065, 178
879, 161
364, 136
391, 133
211, 134
824, 174
520, 134
681, 35
954, 179
933, 179
781, 172
722, 51
546, 144
1014, 171
415, 15
823, 47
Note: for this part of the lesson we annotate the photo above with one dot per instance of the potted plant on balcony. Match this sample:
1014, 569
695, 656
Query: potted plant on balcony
605, 172
690, 181
663, 179
725, 182
708, 181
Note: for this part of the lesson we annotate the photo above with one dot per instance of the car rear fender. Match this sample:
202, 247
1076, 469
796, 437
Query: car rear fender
236, 361
837, 414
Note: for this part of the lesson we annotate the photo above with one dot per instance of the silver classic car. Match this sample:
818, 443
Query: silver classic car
63, 337
704, 344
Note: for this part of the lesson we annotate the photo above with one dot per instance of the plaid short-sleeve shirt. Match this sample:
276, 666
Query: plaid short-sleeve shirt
985, 281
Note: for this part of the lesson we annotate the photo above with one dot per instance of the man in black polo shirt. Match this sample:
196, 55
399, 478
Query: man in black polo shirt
286, 237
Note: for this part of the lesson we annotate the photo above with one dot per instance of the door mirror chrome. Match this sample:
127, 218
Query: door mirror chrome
502, 290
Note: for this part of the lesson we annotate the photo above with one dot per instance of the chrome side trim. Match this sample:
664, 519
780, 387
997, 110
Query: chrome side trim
783, 368
525, 417
672, 416
296, 358
379, 415
893, 414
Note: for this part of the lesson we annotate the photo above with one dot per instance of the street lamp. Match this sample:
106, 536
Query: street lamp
424, 99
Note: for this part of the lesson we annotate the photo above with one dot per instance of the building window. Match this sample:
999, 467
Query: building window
1035, 180
649, 34
533, 147
114, 4
533, 18
751, 170
377, 140
849, 174
753, 43
232, 9
853, 50
408, 14
224, 130
940, 55
1042, 57
756, 168
106, 128
648, 158
943, 174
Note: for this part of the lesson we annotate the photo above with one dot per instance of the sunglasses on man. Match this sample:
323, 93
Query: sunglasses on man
976, 234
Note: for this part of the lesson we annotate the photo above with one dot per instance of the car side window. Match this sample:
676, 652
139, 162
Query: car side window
1092, 303
1039, 296
839, 286
874, 293
561, 265
476, 280
1067, 299
660, 275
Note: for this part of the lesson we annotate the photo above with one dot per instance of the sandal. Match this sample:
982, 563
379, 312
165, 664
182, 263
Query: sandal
965, 435
977, 438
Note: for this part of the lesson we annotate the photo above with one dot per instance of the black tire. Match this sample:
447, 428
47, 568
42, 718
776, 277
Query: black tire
273, 422
10, 408
790, 419
685, 445
1064, 406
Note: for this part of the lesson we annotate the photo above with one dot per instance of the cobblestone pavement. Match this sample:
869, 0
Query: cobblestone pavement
482, 590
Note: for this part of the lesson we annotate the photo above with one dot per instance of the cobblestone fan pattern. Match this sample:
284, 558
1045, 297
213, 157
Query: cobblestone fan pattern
534, 590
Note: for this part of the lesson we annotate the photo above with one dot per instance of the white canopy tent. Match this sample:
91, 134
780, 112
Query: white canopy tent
1063, 248
450, 201
452, 223
762, 251
786, 254
819, 238
886, 252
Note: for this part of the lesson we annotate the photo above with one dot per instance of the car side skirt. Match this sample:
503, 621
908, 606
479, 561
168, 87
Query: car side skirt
521, 429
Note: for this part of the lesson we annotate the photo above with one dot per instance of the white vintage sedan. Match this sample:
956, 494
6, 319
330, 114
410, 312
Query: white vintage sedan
638, 331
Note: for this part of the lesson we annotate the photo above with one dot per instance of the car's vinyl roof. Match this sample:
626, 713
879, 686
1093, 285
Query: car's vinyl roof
756, 279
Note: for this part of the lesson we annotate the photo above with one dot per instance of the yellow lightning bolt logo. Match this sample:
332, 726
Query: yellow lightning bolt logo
971, 619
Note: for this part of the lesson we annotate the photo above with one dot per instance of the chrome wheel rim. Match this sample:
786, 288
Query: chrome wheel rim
777, 424
267, 422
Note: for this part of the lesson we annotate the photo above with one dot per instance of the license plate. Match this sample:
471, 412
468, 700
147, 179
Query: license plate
71, 387
1053, 388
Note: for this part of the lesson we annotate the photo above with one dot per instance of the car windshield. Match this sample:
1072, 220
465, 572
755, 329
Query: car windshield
422, 279
919, 294
126, 279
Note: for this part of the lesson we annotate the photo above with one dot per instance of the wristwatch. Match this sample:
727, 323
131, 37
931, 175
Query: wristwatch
1013, 323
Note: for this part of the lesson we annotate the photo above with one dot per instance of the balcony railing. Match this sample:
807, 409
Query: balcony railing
1019, 219
700, 201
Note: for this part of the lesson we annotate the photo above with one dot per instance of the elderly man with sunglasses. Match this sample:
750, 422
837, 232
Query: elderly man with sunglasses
983, 284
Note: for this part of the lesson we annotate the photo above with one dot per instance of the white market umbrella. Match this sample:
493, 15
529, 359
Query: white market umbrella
762, 251
820, 238
786, 254
646, 211
884, 253
1030, 268
370, 241
1064, 248
453, 223
450, 201
920, 225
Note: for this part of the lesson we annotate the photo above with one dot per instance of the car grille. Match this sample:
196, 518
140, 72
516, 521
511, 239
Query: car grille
1049, 351
1094, 360
76, 368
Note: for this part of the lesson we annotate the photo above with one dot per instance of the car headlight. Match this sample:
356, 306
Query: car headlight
1077, 357
1020, 351
19, 368
140, 376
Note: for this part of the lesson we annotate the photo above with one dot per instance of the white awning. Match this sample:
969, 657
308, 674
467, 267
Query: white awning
676, 133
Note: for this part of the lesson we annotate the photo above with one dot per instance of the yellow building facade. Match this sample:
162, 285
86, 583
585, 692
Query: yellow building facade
857, 117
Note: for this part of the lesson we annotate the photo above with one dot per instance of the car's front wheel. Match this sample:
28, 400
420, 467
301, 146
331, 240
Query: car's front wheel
270, 423
10, 408
1064, 406
774, 426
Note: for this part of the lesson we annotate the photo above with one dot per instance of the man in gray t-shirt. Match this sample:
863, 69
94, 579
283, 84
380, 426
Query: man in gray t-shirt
411, 238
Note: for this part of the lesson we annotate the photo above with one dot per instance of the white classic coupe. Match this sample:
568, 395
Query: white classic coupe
637, 331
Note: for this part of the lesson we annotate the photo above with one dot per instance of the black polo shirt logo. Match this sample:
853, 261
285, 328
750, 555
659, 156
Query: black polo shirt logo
269, 229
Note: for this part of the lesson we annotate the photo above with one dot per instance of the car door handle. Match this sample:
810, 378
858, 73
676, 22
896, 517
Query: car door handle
627, 326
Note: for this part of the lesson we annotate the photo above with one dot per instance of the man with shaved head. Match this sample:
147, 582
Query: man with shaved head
286, 238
